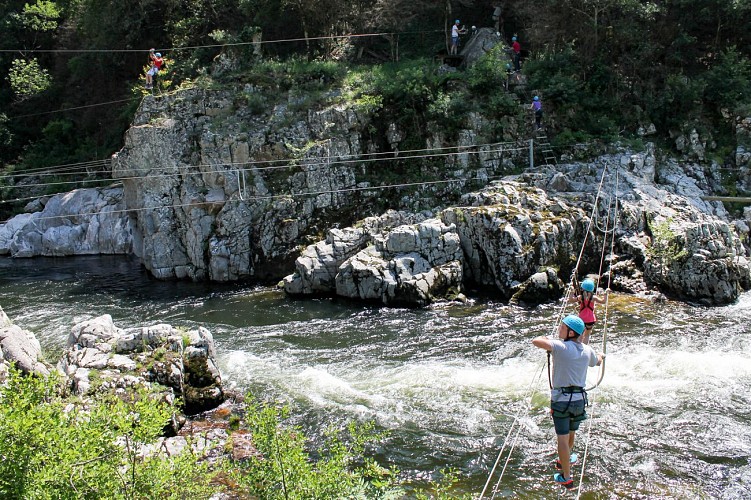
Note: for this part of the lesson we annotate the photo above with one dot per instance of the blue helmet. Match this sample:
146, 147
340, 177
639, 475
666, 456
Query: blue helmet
588, 285
575, 323
457, 21
536, 98
513, 38
158, 54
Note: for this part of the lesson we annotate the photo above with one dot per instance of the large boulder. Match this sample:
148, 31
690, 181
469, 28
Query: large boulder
409, 265
103, 357
510, 232
479, 44
81, 222
20, 348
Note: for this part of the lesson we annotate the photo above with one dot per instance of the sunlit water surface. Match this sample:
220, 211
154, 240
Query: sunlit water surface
671, 419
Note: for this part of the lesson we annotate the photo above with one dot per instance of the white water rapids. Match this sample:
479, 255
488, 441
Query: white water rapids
672, 418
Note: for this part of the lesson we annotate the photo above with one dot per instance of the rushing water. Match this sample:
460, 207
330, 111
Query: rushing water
672, 418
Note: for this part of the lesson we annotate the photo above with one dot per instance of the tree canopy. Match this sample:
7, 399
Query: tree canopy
606, 66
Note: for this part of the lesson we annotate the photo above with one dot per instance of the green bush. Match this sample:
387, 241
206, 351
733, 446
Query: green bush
285, 470
488, 75
53, 449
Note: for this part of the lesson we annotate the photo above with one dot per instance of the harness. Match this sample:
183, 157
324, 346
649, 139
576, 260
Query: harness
586, 304
571, 390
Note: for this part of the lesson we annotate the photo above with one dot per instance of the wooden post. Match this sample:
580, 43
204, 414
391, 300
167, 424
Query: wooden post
531, 153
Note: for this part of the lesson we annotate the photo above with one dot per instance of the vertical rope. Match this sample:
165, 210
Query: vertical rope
538, 375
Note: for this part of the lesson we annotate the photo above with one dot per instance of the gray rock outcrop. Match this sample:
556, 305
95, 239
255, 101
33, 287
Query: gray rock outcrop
21, 348
81, 222
478, 45
410, 265
103, 357
220, 191
520, 241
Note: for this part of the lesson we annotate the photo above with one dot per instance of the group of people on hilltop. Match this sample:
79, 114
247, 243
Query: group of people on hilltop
571, 357
457, 29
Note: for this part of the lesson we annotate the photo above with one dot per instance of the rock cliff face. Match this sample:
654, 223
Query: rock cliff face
519, 236
218, 192
216, 189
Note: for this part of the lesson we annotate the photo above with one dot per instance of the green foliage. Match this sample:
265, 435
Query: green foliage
728, 82
5, 134
41, 16
285, 470
53, 449
666, 247
28, 78
442, 489
488, 75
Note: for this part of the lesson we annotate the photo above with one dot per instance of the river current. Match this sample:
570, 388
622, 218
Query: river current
671, 419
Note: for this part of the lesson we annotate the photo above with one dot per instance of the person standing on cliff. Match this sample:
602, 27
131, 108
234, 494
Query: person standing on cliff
568, 398
455, 32
517, 53
496, 17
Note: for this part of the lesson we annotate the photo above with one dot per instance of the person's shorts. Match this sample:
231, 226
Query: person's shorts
454, 40
589, 325
153, 71
567, 416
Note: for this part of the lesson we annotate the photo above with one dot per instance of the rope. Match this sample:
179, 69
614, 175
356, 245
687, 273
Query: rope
586, 446
73, 108
604, 346
293, 162
514, 422
217, 45
536, 378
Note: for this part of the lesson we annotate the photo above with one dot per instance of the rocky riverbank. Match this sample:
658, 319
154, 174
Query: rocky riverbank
213, 190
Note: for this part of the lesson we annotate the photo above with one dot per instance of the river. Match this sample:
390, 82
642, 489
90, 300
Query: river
671, 419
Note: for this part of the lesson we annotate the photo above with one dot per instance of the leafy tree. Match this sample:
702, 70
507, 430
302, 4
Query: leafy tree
28, 78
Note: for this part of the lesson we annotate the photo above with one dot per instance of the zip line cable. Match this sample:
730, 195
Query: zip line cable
73, 108
296, 162
219, 45
327, 166
291, 162
36, 172
275, 196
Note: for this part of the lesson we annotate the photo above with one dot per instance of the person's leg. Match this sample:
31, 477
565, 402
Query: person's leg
571, 437
562, 423
564, 454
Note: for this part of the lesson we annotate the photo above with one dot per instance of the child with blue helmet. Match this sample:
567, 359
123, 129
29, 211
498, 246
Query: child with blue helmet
587, 299
570, 358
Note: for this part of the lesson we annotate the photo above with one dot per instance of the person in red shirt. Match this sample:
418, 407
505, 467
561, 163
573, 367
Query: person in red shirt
517, 53
156, 65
